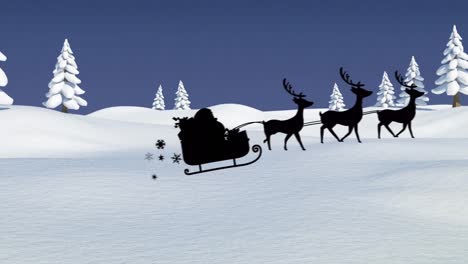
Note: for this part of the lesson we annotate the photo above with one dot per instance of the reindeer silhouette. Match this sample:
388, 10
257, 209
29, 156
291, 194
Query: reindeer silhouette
349, 118
404, 115
291, 126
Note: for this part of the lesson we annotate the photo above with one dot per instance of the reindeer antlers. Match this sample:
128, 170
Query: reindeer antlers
287, 86
345, 76
400, 80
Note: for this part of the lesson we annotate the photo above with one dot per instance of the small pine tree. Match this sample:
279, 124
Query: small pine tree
386, 94
4, 98
63, 88
182, 99
413, 76
158, 103
336, 102
453, 73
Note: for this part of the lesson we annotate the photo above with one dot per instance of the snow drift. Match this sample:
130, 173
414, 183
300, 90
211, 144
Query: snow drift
43, 133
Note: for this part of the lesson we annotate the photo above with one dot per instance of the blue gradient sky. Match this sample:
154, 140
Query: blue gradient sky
224, 51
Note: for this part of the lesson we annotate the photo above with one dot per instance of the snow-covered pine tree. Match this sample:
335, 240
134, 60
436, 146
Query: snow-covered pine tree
63, 88
386, 94
453, 72
4, 98
413, 76
336, 102
182, 99
158, 103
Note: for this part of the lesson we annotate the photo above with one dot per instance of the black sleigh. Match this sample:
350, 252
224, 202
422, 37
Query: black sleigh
205, 140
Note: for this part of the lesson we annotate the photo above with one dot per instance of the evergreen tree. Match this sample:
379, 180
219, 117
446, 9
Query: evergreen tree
453, 72
63, 88
158, 103
413, 76
4, 98
182, 99
386, 94
336, 102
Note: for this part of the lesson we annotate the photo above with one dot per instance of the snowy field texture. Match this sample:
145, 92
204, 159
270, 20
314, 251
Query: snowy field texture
76, 189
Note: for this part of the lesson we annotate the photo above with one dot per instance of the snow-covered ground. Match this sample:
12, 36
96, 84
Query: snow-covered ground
76, 189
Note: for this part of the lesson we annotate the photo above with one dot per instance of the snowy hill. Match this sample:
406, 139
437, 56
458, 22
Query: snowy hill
38, 132
76, 189
432, 118
231, 113
42, 133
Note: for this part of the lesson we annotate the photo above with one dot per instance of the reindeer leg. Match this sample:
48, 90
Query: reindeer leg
379, 126
390, 130
357, 133
298, 137
267, 140
350, 129
403, 129
286, 141
334, 134
410, 130
322, 128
